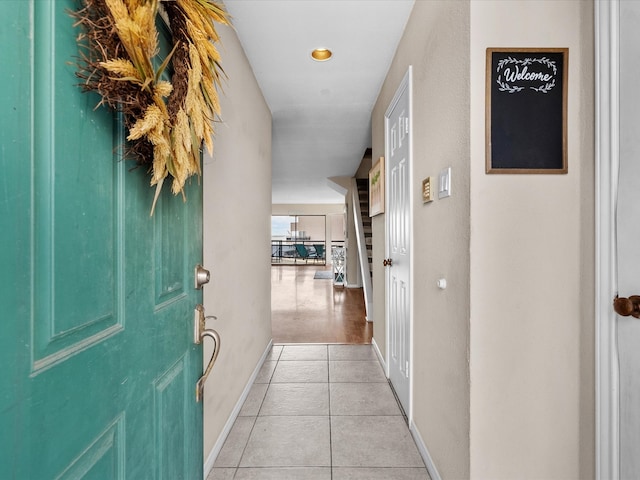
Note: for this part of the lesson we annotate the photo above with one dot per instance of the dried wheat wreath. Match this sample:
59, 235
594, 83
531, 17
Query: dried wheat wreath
167, 122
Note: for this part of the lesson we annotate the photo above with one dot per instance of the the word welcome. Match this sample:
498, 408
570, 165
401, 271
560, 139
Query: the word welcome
516, 74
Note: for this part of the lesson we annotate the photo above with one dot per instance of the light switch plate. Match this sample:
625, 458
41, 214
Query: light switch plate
444, 183
428, 185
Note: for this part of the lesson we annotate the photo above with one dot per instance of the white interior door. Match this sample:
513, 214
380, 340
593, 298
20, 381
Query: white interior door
628, 239
398, 219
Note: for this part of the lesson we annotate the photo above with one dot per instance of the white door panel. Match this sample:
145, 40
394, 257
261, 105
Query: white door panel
628, 234
397, 125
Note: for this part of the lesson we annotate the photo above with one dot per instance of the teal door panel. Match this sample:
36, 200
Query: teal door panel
98, 362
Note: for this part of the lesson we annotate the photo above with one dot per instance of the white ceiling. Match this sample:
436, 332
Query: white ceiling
321, 110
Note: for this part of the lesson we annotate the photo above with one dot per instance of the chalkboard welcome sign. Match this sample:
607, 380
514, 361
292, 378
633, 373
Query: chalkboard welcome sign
526, 110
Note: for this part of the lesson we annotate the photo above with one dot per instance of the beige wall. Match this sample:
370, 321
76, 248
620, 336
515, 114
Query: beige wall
314, 226
309, 209
436, 44
337, 226
237, 232
503, 358
365, 166
532, 264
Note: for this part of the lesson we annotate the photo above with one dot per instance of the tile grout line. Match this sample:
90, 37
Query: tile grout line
329, 400
331, 415
244, 449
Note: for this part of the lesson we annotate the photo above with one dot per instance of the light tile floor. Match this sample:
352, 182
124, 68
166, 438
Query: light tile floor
320, 412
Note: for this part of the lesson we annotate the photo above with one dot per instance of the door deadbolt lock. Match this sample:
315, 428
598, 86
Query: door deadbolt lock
202, 276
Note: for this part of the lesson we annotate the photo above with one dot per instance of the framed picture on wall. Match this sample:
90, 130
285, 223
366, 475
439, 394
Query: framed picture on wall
376, 188
526, 110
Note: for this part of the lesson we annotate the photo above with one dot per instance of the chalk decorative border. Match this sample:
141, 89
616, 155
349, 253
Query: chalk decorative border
507, 87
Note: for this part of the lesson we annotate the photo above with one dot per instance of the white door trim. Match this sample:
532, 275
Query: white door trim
405, 84
607, 164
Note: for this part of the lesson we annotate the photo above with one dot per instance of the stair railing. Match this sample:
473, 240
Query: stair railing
362, 251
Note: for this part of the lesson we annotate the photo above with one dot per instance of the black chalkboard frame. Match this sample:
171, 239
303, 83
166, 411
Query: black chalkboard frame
543, 152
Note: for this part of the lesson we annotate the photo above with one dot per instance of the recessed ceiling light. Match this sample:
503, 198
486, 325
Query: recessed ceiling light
321, 54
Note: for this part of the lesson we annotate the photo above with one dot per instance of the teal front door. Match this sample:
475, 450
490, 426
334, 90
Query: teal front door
97, 299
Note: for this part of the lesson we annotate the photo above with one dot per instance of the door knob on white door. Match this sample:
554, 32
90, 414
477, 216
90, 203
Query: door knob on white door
627, 307
387, 262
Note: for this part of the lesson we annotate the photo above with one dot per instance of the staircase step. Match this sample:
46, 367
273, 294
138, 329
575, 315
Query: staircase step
363, 195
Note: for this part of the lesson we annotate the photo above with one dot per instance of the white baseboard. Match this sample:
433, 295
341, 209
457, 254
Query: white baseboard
422, 448
379, 355
213, 454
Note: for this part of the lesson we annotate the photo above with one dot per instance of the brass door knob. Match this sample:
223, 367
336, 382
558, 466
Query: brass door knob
387, 262
627, 306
